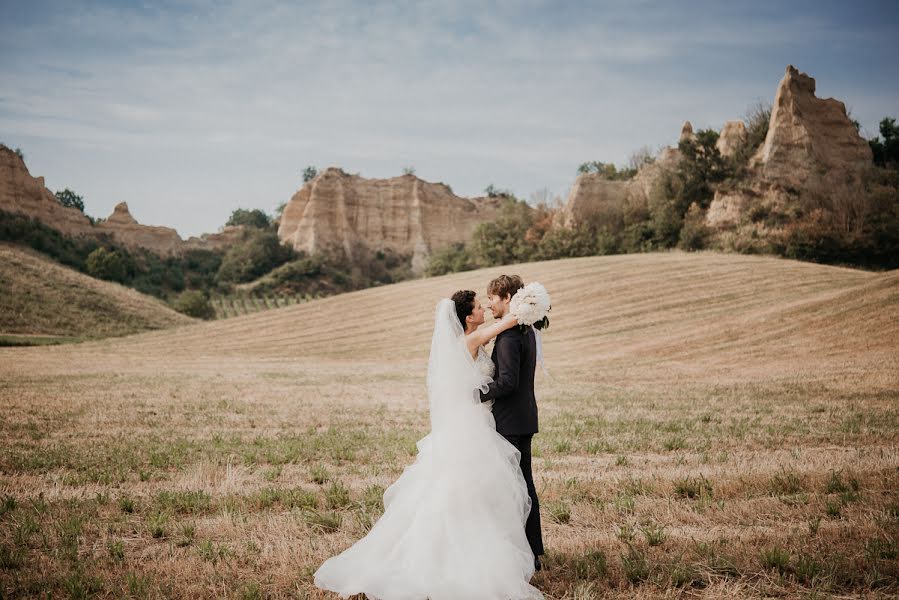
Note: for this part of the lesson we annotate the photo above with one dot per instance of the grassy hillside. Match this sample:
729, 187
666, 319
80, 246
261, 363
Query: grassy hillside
715, 425
43, 298
668, 310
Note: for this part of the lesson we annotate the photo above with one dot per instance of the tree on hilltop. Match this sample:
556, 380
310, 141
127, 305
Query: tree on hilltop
70, 199
250, 218
606, 170
886, 152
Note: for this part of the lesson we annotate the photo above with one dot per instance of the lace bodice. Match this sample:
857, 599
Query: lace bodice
483, 362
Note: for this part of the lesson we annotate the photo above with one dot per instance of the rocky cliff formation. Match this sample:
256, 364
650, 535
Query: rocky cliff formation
227, 237
732, 138
808, 135
347, 215
125, 230
813, 160
593, 197
812, 151
23, 194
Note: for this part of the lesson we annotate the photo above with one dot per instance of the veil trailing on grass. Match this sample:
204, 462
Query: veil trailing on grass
453, 522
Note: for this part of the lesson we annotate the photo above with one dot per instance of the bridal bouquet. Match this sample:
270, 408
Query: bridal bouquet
529, 305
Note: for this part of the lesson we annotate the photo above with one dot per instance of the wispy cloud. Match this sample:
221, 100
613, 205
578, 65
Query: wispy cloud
188, 110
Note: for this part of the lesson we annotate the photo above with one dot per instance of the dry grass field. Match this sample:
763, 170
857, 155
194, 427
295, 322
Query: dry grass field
714, 425
40, 298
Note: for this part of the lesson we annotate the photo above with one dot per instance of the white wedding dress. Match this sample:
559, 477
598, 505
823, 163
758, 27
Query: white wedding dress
453, 522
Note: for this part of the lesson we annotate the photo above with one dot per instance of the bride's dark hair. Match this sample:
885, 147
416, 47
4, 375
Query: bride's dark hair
464, 301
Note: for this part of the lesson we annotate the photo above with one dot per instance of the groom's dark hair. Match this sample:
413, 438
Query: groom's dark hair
464, 301
505, 286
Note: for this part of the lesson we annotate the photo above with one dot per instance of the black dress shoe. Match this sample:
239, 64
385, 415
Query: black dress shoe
538, 566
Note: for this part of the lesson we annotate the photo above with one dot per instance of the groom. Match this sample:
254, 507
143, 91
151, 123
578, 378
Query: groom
512, 390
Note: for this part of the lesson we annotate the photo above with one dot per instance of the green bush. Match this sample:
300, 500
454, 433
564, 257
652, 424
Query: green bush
756, 119
886, 151
451, 259
694, 234
21, 229
566, 243
504, 241
250, 218
70, 199
106, 264
307, 275
610, 171
700, 167
259, 253
195, 303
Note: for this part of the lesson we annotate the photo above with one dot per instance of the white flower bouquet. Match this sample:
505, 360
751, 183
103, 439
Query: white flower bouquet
530, 306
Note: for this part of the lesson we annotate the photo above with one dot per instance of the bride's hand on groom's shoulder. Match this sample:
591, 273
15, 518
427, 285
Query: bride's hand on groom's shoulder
509, 320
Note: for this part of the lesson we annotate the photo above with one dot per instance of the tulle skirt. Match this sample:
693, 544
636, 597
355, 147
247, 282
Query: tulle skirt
452, 528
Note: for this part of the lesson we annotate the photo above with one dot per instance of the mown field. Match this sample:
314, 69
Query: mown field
714, 425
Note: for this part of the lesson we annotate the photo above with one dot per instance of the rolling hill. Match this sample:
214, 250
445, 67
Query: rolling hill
43, 298
681, 315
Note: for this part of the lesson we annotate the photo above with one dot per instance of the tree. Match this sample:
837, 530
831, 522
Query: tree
250, 218
195, 303
106, 264
701, 165
256, 255
309, 173
606, 170
494, 192
504, 241
410, 170
886, 152
756, 118
564, 242
451, 259
70, 199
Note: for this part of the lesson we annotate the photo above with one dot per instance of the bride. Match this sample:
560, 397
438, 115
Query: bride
453, 522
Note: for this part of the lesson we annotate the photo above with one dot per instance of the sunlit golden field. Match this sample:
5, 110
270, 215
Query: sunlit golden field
714, 425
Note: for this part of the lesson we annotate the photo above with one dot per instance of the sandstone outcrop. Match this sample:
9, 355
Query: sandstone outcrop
594, 198
346, 215
23, 194
808, 135
733, 136
686, 132
125, 230
812, 149
227, 237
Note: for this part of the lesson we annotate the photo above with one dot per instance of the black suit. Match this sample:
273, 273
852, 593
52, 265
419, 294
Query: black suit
515, 409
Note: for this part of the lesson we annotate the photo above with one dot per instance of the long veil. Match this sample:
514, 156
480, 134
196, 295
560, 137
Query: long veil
453, 379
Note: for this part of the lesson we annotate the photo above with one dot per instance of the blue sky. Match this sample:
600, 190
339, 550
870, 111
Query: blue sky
188, 110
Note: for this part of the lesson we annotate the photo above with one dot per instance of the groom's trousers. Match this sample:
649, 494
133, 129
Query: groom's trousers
532, 526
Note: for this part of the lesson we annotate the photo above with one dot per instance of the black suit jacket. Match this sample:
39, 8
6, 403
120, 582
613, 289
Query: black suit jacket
515, 358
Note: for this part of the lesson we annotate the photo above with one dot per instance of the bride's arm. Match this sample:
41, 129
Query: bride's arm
481, 336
